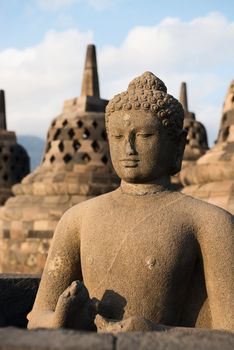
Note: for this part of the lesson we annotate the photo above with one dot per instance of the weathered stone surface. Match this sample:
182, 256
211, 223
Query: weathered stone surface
53, 340
17, 339
197, 143
212, 178
76, 166
176, 340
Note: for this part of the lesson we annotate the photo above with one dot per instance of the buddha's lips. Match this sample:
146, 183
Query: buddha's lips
130, 162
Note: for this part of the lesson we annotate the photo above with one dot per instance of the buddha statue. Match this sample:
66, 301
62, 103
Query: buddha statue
142, 257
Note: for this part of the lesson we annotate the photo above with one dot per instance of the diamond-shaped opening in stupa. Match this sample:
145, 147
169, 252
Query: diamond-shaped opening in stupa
95, 146
86, 158
61, 146
76, 145
95, 124
80, 124
67, 158
86, 134
52, 159
65, 122
71, 133
104, 159
57, 133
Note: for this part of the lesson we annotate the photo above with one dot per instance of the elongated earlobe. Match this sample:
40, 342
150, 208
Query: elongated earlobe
178, 157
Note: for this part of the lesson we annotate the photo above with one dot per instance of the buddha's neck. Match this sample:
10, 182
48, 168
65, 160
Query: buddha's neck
156, 187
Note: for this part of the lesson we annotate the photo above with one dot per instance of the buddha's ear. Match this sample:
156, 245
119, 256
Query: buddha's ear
178, 156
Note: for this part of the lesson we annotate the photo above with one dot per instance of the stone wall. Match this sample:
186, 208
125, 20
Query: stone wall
12, 338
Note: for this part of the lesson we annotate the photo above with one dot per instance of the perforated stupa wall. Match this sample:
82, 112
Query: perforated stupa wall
76, 166
14, 160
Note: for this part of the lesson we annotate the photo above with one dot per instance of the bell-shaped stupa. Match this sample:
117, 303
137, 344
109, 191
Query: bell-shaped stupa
76, 166
197, 144
14, 160
212, 178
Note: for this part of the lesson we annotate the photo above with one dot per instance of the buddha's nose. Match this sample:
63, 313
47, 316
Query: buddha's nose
130, 146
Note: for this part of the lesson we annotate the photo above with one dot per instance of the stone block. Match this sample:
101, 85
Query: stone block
53, 339
190, 339
40, 225
19, 339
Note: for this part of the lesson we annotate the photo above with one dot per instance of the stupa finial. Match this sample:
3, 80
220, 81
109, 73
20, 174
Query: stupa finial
183, 97
3, 124
90, 84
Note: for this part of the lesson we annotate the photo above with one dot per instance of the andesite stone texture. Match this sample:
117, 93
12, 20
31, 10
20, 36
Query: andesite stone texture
17, 293
197, 143
75, 167
149, 258
18, 339
14, 160
212, 178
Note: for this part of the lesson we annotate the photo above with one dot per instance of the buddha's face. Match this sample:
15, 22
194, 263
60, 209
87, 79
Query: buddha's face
141, 149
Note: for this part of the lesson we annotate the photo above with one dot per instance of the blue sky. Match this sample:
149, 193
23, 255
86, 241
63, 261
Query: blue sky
43, 42
25, 22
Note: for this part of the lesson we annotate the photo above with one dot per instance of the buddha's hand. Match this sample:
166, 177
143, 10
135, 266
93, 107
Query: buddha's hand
74, 308
131, 324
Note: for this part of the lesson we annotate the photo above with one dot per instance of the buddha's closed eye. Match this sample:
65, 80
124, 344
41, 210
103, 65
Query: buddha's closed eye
118, 136
144, 136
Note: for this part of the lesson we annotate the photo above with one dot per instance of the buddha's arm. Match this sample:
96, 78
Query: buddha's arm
61, 269
216, 239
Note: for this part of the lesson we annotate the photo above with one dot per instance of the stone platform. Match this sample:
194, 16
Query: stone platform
13, 338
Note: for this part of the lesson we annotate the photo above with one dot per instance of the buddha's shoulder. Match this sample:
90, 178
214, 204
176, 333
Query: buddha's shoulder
99, 203
203, 211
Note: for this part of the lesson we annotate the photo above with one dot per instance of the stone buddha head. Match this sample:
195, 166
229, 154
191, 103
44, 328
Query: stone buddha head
145, 131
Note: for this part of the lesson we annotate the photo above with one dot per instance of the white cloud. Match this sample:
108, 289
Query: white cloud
39, 78
199, 52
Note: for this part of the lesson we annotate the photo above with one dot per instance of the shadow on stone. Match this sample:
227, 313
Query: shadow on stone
17, 294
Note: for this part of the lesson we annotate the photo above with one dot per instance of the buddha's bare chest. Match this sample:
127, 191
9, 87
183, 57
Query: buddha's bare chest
144, 250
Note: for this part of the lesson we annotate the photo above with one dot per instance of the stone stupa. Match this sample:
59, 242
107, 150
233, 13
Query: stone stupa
197, 144
76, 166
14, 160
212, 178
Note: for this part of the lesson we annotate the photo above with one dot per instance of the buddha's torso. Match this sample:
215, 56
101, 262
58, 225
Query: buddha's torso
138, 255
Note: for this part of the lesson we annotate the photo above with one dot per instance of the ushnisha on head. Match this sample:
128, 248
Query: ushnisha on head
148, 93
145, 131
